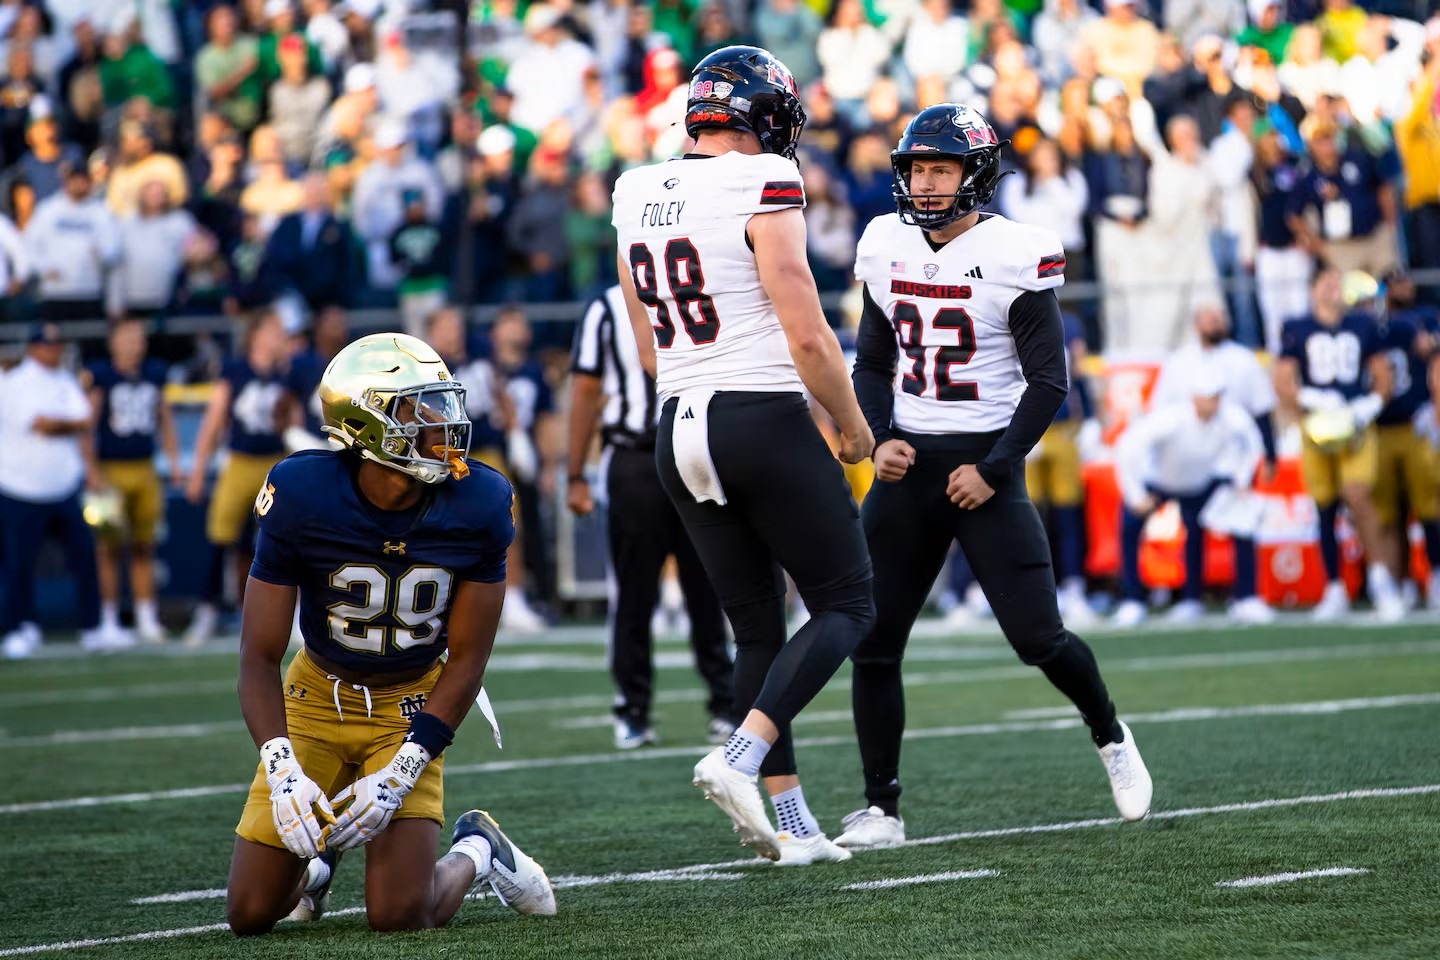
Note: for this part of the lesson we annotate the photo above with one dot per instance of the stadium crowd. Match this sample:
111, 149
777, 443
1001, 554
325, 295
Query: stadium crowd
299, 159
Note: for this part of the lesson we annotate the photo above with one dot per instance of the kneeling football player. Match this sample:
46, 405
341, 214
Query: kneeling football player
396, 545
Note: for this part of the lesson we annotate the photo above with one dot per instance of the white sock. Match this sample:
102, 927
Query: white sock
147, 614
745, 752
478, 850
317, 874
792, 814
109, 615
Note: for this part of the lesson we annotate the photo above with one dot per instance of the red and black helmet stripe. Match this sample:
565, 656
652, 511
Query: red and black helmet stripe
783, 193
1051, 266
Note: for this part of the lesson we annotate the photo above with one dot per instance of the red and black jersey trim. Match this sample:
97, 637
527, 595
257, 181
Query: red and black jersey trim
1052, 266
783, 193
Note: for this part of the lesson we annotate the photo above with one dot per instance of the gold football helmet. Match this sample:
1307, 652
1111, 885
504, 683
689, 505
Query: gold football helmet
391, 399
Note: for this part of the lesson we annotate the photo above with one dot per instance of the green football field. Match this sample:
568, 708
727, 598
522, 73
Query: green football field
1288, 750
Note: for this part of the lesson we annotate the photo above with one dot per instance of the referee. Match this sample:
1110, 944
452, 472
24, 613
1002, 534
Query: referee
608, 385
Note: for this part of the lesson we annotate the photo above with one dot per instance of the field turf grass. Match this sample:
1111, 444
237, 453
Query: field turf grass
1277, 750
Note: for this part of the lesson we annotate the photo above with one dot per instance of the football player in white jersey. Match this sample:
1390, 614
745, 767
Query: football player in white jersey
965, 302
727, 318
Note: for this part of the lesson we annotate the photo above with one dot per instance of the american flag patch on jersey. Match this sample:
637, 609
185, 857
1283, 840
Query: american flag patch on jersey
1052, 266
784, 193
897, 266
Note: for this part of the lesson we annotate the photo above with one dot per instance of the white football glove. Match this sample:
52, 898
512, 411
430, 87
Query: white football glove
1318, 398
294, 800
1365, 409
367, 805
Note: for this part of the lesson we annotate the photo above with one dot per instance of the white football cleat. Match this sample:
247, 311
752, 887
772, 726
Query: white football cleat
1334, 604
737, 795
718, 730
151, 634
959, 617
978, 603
1130, 613
628, 736
1186, 611
1129, 780
870, 829
517, 616
1074, 605
1432, 591
315, 900
18, 644
519, 882
202, 626
1251, 610
795, 852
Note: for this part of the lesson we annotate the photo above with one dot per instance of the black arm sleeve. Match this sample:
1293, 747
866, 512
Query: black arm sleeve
874, 375
1267, 435
1039, 333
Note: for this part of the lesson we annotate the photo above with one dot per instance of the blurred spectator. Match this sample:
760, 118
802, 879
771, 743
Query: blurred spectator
1340, 26
73, 240
39, 167
869, 178
662, 100
790, 29
830, 229
297, 101
1231, 158
43, 475
531, 232
935, 43
827, 133
1119, 181
1282, 265
29, 31
545, 76
590, 237
350, 117
218, 176
1342, 211
852, 54
416, 252
416, 87
1125, 44
1307, 71
311, 251
1189, 20
130, 70
79, 86
1182, 214
272, 192
155, 241
1268, 30
378, 205
279, 24
1376, 80
326, 33
14, 266
19, 89
1417, 137
1051, 194
249, 285
139, 164
484, 211
227, 70
1056, 31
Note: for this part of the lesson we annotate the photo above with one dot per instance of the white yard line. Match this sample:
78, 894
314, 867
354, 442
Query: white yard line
923, 878
182, 896
1275, 878
1181, 715
722, 870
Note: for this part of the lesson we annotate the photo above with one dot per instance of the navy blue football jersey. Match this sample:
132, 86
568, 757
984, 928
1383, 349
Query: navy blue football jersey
128, 415
254, 399
303, 380
1332, 358
1397, 340
375, 585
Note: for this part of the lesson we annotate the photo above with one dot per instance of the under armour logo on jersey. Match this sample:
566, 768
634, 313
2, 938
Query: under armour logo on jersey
976, 274
394, 547
930, 270
688, 414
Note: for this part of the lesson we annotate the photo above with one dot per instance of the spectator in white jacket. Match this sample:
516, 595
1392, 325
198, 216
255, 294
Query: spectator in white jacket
1231, 158
378, 206
1047, 194
155, 241
935, 44
73, 240
1197, 453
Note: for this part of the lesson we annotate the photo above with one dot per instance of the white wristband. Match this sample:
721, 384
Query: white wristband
277, 756
409, 763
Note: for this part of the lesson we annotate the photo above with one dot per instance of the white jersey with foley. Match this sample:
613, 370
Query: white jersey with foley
681, 228
958, 370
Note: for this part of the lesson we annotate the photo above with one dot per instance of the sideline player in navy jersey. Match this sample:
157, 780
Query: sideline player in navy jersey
248, 407
307, 365
965, 303
396, 547
1332, 367
1404, 478
127, 393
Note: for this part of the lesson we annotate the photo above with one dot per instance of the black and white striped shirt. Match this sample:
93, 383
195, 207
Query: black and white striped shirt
605, 348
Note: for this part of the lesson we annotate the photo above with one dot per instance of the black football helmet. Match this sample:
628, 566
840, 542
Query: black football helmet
955, 132
746, 88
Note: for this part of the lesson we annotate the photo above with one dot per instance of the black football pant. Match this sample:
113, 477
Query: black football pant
643, 530
909, 526
788, 506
